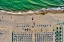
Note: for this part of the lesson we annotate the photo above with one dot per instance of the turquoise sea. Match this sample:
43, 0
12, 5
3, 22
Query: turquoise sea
25, 5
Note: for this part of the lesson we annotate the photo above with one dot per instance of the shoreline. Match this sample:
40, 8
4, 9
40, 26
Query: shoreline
34, 12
